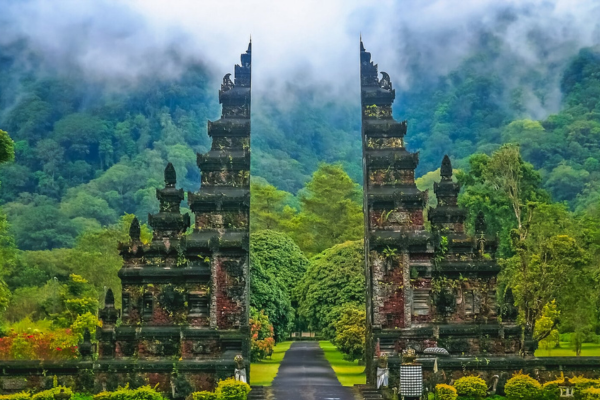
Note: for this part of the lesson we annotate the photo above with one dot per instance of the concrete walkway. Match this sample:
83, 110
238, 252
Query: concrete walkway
305, 374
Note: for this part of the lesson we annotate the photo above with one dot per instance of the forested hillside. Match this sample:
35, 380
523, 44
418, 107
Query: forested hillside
88, 151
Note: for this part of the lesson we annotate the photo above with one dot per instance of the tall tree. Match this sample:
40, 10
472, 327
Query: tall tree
266, 206
330, 210
335, 278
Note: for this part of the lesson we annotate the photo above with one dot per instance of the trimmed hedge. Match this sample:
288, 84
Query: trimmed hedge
204, 395
471, 386
49, 394
228, 389
445, 392
591, 393
141, 393
523, 387
16, 396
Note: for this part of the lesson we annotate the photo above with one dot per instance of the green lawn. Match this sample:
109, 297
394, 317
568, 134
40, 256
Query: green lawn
565, 350
348, 373
263, 372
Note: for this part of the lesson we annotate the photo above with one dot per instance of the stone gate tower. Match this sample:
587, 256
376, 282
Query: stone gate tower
185, 298
426, 288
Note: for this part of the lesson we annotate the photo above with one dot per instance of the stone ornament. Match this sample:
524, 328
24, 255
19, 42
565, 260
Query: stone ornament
383, 372
240, 369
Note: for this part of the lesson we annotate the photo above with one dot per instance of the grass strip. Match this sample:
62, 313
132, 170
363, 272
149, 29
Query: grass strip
263, 372
565, 350
348, 373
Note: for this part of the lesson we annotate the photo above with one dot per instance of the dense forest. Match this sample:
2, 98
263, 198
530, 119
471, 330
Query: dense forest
88, 154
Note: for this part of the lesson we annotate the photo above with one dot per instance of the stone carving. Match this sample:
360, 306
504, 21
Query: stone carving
227, 83
385, 82
240, 369
383, 372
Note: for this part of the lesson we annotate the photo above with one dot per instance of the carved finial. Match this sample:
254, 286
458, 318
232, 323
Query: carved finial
227, 83
109, 299
170, 175
134, 229
446, 169
480, 225
385, 82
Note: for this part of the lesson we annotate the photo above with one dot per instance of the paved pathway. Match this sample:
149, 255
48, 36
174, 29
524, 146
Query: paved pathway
305, 374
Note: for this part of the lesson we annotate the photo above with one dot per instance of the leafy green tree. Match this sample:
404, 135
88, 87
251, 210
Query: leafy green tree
330, 210
7, 151
266, 205
545, 330
550, 264
270, 297
501, 186
350, 332
334, 279
277, 266
280, 256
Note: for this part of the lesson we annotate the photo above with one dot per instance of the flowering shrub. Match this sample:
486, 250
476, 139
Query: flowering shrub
522, 387
471, 386
261, 332
445, 392
56, 345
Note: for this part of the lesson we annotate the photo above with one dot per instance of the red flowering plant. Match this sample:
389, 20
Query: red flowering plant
261, 331
56, 345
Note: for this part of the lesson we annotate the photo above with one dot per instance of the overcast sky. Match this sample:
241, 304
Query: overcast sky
300, 41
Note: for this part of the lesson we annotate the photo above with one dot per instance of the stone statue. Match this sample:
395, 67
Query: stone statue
227, 83
385, 82
383, 372
240, 369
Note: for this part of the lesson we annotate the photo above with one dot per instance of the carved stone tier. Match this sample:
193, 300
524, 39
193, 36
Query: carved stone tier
224, 160
385, 128
392, 158
232, 127
219, 199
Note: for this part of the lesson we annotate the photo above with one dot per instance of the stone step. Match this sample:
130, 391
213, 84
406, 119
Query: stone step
257, 393
368, 392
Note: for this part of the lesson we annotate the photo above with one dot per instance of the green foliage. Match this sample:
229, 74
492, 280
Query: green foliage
124, 393
350, 332
277, 265
591, 394
267, 206
7, 150
522, 387
49, 394
16, 396
334, 279
204, 395
331, 210
545, 327
230, 389
280, 256
471, 386
445, 392
269, 295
